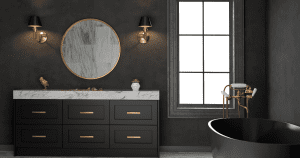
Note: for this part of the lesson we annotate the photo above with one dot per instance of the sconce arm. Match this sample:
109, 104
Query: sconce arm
34, 29
145, 29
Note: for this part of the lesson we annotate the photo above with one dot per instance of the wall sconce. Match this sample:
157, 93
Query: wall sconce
35, 22
143, 36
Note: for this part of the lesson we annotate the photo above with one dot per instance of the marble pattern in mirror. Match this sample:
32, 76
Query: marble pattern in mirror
90, 49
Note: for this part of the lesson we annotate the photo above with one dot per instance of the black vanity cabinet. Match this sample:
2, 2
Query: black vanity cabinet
101, 128
133, 124
86, 112
34, 111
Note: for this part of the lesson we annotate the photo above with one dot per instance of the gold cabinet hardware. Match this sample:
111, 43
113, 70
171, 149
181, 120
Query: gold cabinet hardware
86, 112
38, 112
133, 112
86, 136
133, 136
38, 136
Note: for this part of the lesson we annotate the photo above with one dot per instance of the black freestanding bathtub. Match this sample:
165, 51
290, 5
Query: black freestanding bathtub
254, 138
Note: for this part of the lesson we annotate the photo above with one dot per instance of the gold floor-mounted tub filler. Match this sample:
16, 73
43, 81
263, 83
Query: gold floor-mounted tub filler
241, 89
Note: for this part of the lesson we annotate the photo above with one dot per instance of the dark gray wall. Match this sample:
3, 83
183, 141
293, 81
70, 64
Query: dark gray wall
23, 61
284, 66
255, 56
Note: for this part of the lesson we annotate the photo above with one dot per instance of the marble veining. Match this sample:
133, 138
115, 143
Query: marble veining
110, 95
91, 48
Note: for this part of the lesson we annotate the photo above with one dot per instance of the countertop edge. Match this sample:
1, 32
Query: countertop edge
84, 95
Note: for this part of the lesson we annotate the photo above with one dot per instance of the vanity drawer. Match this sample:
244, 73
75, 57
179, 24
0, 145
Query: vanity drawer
133, 112
39, 136
86, 111
86, 136
122, 136
38, 111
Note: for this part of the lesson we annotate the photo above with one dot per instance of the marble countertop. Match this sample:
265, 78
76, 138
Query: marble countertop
71, 94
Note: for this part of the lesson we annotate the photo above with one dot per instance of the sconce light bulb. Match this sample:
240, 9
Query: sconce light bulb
41, 33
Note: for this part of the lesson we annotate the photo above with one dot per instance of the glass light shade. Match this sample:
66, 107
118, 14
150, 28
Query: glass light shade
42, 37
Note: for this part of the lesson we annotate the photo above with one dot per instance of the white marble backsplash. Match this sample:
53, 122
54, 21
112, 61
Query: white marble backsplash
109, 95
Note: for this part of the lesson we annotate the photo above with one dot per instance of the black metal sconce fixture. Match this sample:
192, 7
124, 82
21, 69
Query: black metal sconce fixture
143, 36
35, 22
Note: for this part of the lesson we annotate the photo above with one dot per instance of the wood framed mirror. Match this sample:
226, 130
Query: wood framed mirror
90, 49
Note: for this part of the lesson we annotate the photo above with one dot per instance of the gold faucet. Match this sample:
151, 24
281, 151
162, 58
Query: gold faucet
241, 90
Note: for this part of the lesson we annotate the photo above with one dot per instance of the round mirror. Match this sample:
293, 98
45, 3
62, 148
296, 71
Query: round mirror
90, 49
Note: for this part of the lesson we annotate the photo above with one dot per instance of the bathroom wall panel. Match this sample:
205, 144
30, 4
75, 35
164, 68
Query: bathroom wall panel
23, 61
255, 56
284, 67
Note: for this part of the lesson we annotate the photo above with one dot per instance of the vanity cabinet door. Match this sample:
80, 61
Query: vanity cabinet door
86, 112
133, 112
86, 136
33, 111
39, 136
122, 136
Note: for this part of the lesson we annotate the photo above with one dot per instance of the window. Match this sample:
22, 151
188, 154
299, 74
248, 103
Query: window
205, 53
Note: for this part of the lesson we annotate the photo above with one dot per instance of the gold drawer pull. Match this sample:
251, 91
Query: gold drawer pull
38, 136
133, 112
86, 112
133, 136
86, 136
38, 112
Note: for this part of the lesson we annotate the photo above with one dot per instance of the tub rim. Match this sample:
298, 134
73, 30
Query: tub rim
210, 126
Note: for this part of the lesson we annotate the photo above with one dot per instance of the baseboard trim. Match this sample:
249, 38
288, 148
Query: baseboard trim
6, 147
161, 148
6, 150
185, 149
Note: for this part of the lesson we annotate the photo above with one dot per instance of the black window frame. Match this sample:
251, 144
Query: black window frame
176, 110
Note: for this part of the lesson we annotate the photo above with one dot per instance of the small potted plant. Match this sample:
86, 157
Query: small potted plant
135, 85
